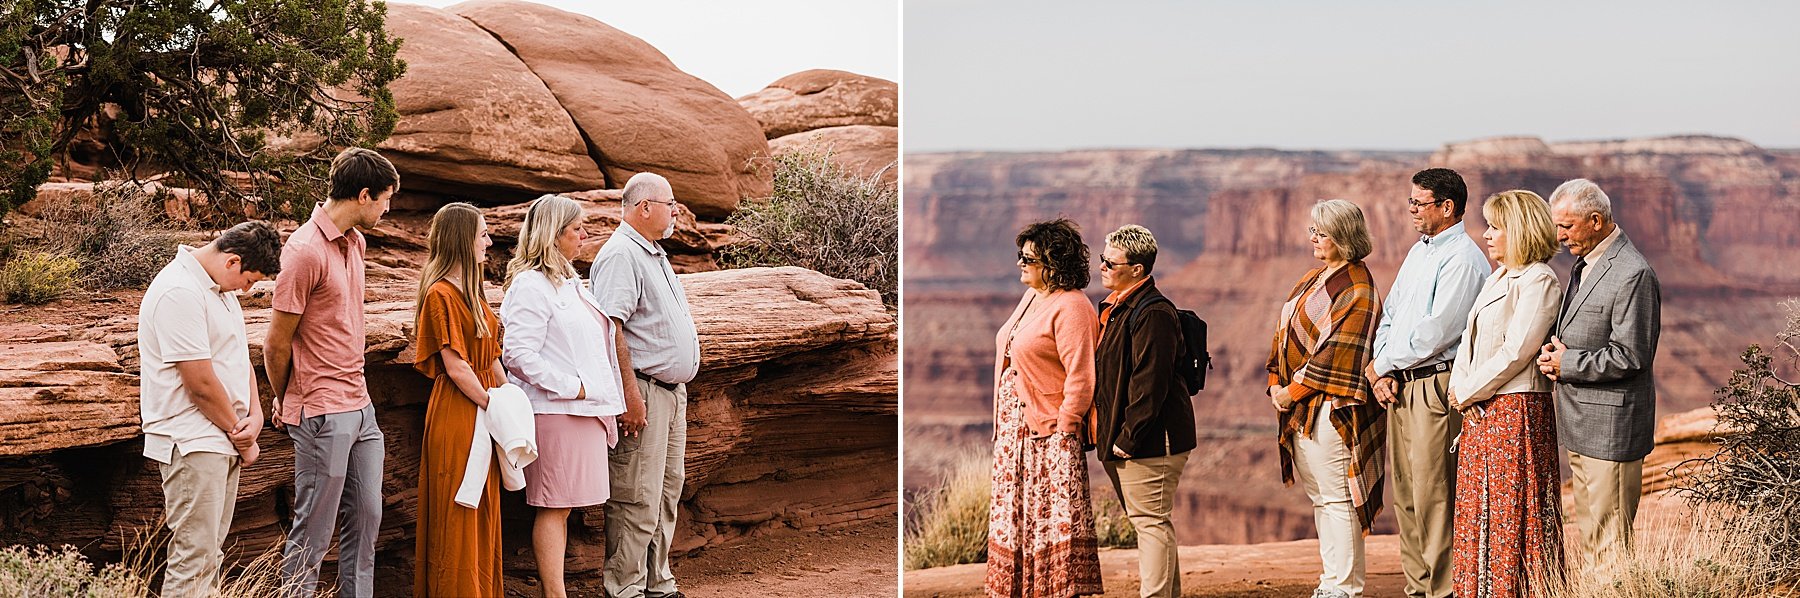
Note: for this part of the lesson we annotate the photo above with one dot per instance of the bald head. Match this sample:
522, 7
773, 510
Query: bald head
646, 185
649, 205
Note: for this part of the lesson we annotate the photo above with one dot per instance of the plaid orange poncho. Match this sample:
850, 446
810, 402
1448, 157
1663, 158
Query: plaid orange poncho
1321, 346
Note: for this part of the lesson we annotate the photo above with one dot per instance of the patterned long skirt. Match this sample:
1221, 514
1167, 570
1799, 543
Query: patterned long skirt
1041, 539
1508, 503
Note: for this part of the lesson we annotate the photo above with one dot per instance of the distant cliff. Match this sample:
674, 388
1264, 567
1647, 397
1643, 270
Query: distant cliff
1716, 217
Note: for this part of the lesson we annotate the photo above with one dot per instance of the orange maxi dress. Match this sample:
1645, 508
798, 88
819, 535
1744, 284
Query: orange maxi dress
458, 548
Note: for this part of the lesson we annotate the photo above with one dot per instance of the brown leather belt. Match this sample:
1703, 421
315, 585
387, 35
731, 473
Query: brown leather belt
1421, 372
660, 384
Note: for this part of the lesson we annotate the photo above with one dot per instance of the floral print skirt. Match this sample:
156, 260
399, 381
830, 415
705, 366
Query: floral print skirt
1041, 539
1508, 502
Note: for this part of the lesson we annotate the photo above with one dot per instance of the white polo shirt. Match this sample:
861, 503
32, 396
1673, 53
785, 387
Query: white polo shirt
185, 317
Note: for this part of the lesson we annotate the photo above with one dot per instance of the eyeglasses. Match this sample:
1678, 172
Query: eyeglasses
1313, 232
1029, 260
1420, 204
1106, 265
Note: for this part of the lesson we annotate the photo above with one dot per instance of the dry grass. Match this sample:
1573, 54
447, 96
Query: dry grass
1681, 554
951, 522
123, 239
40, 572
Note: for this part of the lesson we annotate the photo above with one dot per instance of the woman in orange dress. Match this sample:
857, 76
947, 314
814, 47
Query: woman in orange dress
458, 547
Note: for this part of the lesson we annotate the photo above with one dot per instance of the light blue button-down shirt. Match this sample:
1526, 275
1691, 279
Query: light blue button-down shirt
1427, 309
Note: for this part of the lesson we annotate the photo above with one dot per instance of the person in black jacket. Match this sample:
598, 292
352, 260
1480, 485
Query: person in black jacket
1143, 420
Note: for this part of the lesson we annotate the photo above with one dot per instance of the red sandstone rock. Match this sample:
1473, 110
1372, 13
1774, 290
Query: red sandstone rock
639, 112
791, 422
822, 98
473, 119
863, 150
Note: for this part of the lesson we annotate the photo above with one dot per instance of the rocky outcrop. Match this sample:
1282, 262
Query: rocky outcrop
1231, 227
791, 422
854, 119
474, 121
637, 111
822, 98
863, 150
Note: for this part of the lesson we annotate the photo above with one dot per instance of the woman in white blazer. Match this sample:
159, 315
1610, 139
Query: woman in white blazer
1508, 506
561, 351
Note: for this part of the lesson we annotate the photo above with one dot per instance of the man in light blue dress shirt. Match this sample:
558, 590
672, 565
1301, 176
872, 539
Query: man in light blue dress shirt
1422, 322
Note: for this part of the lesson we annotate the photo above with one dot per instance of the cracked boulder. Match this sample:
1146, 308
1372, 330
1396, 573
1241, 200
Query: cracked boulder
474, 121
638, 111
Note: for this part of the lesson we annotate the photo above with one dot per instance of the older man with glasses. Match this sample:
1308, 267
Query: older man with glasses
1422, 323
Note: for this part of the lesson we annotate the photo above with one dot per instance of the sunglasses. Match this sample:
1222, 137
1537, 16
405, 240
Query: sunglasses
1029, 260
1106, 265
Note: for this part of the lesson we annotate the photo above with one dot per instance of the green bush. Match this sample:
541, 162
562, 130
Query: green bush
952, 521
825, 219
38, 277
1113, 527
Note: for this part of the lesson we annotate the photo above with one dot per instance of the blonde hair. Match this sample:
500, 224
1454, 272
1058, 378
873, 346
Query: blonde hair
1137, 243
1530, 234
536, 250
452, 243
1343, 223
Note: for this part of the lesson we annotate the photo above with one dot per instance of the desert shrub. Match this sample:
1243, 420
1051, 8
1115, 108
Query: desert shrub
43, 573
825, 219
37, 277
1114, 528
1752, 483
951, 521
1684, 554
122, 238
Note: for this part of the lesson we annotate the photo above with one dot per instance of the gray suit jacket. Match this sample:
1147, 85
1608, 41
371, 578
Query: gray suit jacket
1606, 397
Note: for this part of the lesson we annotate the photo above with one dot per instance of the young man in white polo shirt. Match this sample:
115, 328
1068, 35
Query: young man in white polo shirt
198, 396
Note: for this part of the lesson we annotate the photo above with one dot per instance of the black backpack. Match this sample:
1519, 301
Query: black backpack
1192, 362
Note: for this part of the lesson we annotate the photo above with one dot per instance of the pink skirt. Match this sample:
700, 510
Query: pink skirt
571, 468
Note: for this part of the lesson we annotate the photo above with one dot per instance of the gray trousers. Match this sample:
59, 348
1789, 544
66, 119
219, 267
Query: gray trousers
199, 495
647, 473
337, 482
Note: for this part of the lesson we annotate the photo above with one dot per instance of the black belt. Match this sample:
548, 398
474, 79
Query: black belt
660, 384
1424, 371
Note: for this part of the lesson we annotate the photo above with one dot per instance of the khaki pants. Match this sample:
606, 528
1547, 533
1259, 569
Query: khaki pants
1420, 427
1606, 501
647, 473
1146, 488
1322, 464
199, 495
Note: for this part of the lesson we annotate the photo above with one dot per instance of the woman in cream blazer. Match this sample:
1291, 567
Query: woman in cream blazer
1508, 508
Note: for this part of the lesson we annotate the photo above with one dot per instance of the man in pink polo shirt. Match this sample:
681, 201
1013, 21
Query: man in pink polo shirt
314, 357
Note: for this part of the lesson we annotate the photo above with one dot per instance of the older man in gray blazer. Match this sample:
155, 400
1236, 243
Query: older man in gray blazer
1602, 357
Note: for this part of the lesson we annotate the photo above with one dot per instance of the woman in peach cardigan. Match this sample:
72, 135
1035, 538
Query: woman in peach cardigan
1041, 540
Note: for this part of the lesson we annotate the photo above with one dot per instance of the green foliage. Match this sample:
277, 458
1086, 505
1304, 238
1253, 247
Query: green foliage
951, 522
1113, 527
199, 87
824, 219
37, 277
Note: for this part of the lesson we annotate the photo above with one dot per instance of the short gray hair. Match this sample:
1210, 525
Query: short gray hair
1137, 243
641, 186
1342, 222
1584, 195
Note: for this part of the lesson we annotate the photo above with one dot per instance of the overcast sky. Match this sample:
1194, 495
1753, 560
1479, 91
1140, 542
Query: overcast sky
1056, 74
741, 47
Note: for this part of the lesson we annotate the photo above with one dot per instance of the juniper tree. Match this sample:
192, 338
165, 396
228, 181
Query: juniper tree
200, 87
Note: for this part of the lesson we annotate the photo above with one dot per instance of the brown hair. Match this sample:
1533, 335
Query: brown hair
254, 242
452, 243
358, 168
1065, 257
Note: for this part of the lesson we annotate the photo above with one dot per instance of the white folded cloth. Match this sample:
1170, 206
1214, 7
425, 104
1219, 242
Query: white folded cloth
506, 421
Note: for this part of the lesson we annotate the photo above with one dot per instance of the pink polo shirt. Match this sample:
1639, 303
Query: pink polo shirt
322, 280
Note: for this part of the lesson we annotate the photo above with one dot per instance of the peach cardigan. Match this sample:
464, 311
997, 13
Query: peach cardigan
1053, 352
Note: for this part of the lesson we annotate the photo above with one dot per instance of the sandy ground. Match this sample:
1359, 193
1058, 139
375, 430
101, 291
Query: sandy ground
862, 560
1216, 571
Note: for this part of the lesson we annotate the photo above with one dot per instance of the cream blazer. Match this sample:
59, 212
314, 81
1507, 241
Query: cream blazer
1511, 320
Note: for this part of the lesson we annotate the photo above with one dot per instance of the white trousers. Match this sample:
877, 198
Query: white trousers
1322, 464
